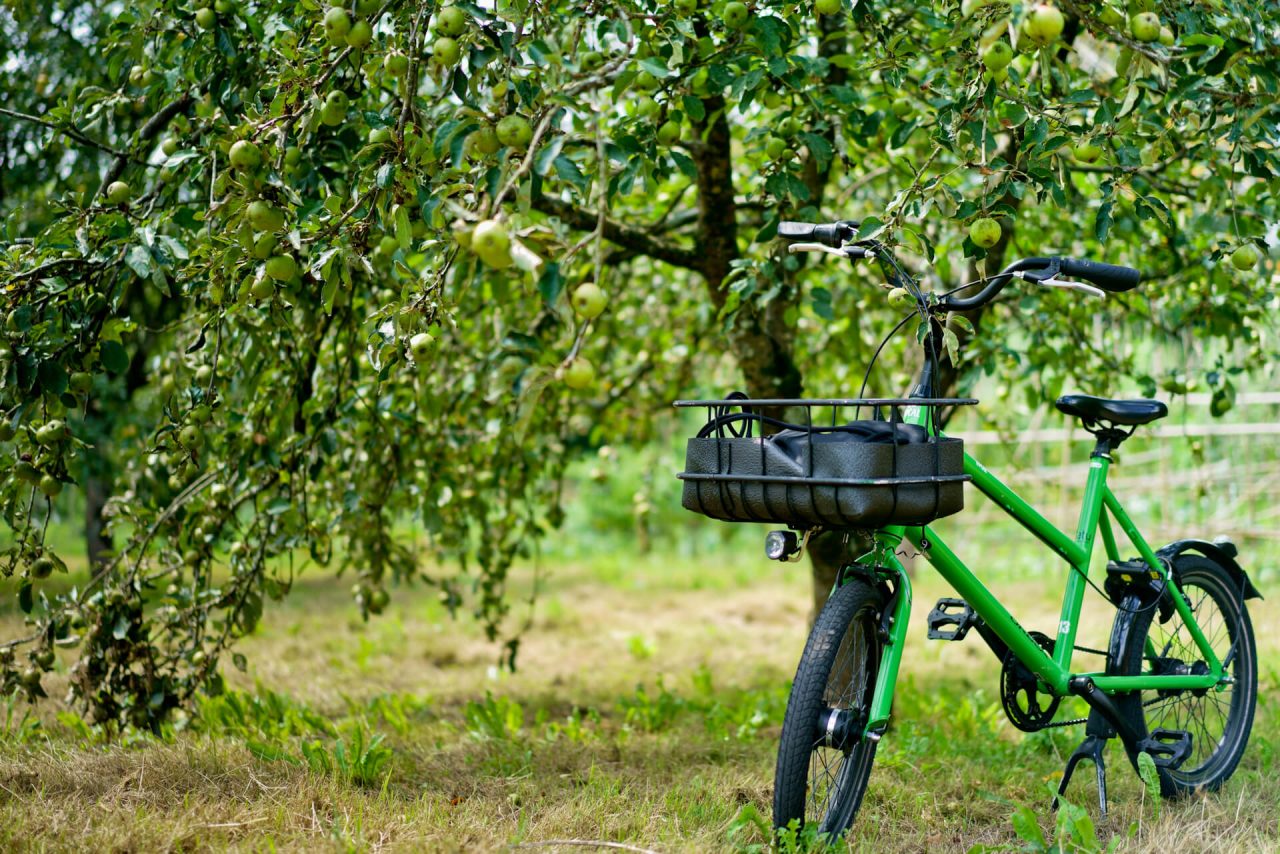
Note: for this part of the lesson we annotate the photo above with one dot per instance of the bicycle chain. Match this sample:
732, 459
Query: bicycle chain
1078, 721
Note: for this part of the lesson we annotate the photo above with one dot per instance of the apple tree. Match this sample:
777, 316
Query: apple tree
289, 285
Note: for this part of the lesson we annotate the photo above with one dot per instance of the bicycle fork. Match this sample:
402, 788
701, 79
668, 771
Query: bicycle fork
882, 564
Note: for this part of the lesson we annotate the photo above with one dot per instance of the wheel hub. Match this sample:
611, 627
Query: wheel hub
838, 728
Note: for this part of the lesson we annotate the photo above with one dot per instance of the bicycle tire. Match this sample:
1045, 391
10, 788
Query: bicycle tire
1218, 603
804, 787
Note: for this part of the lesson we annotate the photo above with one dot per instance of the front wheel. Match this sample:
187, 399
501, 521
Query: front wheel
823, 761
1218, 721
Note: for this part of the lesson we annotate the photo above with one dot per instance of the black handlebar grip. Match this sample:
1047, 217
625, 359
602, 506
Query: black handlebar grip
829, 234
1109, 277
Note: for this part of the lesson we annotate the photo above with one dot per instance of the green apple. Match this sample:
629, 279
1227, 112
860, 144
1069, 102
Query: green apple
735, 15
190, 437
367, 7
451, 21
514, 132
360, 36
579, 374
1145, 26
969, 8
334, 111
668, 133
1044, 24
591, 60
646, 107
489, 240
589, 300
264, 216
51, 432
26, 472
42, 567
775, 148
395, 64
420, 346
485, 140
445, 51
336, 25
379, 136
985, 232
169, 146
1112, 17
118, 193
80, 382
1086, 152
282, 268
262, 288
686, 7
902, 107
245, 155
645, 82
224, 7
1245, 258
1167, 38
50, 485
997, 55
206, 18
826, 7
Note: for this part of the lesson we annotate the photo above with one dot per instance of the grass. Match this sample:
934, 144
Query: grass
645, 711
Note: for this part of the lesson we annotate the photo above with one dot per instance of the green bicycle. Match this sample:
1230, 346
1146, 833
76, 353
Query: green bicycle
1180, 676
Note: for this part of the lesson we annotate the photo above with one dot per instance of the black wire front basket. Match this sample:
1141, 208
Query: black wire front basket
799, 463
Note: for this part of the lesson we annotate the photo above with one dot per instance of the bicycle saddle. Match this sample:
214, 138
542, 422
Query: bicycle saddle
1125, 412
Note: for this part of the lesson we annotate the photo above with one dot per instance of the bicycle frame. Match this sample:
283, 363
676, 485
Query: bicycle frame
1100, 506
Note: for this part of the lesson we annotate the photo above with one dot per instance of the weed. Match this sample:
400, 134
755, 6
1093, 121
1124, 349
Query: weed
494, 719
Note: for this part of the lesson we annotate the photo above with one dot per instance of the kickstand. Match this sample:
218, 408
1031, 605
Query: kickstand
1090, 748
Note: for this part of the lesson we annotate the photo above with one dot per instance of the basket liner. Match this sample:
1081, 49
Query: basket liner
833, 457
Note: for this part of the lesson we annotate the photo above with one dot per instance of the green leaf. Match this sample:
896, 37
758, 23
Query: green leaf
139, 260
694, 108
550, 283
1102, 222
547, 155
114, 357
821, 301
1027, 826
654, 66
25, 599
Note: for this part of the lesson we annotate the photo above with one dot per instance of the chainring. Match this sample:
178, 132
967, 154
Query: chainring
1027, 707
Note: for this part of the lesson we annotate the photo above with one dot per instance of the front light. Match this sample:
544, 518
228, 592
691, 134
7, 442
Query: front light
780, 545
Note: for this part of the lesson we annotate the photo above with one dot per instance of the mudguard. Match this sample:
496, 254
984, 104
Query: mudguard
1222, 552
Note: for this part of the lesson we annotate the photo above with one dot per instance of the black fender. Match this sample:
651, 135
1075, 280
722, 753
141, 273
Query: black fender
1222, 553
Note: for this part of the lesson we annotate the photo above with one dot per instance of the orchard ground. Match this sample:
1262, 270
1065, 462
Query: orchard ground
645, 710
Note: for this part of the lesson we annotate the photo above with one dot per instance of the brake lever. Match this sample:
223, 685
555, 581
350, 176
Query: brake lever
1074, 286
1049, 278
843, 252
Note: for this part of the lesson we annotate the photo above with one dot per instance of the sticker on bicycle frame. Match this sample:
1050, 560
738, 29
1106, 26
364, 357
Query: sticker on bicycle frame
1064, 627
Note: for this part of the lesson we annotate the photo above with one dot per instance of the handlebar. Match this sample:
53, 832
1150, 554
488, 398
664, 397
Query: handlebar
1108, 277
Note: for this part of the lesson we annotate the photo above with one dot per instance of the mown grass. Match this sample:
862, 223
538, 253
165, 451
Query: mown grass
645, 711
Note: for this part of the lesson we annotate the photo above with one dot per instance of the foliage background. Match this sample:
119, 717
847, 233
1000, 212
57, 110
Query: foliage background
225, 429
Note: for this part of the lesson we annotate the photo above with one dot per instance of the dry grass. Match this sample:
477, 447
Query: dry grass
588, 755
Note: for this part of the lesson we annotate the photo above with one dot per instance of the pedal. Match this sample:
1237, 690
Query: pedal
1168, 747
951, 620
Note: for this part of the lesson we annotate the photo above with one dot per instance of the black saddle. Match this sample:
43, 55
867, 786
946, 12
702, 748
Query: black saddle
1123, 412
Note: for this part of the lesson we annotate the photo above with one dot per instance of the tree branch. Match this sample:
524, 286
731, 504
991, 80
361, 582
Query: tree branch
629, 237
147, 132
69, 130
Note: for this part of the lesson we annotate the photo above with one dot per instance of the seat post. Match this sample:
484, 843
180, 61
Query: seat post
1108, 439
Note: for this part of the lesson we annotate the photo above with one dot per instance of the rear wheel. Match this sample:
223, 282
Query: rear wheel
1218, 721
823, 762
